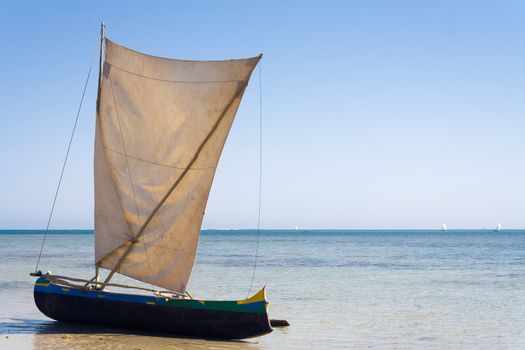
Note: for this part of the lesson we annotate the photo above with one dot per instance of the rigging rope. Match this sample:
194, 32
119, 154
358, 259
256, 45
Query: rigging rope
260, 181
65, 161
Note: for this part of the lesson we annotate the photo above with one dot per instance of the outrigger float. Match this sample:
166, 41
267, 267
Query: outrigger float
160, 129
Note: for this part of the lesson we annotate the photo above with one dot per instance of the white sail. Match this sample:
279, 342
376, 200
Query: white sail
156, 116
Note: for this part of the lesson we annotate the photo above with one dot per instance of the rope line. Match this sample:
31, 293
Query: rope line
125, 154
129, 168
65, 161
260, 181
156, 163
175, 81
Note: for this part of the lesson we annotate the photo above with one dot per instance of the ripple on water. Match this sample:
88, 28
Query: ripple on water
24, 326
339, 291
20, 285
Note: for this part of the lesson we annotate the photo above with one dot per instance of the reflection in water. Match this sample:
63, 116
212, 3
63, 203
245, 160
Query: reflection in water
41, 334
25, 326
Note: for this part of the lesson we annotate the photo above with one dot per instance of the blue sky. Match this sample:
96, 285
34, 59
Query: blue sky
377, 114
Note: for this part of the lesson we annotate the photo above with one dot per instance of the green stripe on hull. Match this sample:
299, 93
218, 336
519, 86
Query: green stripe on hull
256, 307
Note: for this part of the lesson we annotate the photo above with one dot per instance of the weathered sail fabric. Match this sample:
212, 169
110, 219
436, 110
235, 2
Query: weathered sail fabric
154, 114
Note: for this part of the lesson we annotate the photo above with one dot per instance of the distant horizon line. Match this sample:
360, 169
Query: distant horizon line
90, 230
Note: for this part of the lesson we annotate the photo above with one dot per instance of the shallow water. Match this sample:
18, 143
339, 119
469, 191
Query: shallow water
338, 289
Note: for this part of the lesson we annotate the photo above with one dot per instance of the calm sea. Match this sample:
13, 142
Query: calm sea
338, 289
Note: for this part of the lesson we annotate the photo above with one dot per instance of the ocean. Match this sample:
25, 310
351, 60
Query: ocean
339, 289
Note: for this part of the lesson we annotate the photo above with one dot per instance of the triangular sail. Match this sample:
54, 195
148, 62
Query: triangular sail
155, 116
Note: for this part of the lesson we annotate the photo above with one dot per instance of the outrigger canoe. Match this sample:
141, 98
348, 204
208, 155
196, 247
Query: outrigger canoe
161, 125
185, 317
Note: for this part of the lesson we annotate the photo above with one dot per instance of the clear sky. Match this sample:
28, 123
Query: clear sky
377, 114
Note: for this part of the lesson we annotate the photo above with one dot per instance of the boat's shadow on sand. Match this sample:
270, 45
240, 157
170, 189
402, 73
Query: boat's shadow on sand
35, 326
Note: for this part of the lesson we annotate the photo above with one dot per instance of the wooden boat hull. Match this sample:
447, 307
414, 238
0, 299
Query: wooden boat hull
180, 317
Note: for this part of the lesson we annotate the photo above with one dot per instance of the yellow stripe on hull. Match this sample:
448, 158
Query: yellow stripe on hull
258, 297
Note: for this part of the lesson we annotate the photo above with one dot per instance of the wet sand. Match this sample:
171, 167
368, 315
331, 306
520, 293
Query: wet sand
59, 336
109, 341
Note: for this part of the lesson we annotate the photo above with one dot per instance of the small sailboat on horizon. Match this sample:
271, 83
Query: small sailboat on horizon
498, 227
443, 227
161, 125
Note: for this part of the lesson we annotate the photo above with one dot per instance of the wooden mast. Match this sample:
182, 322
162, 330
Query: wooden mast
102, 36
